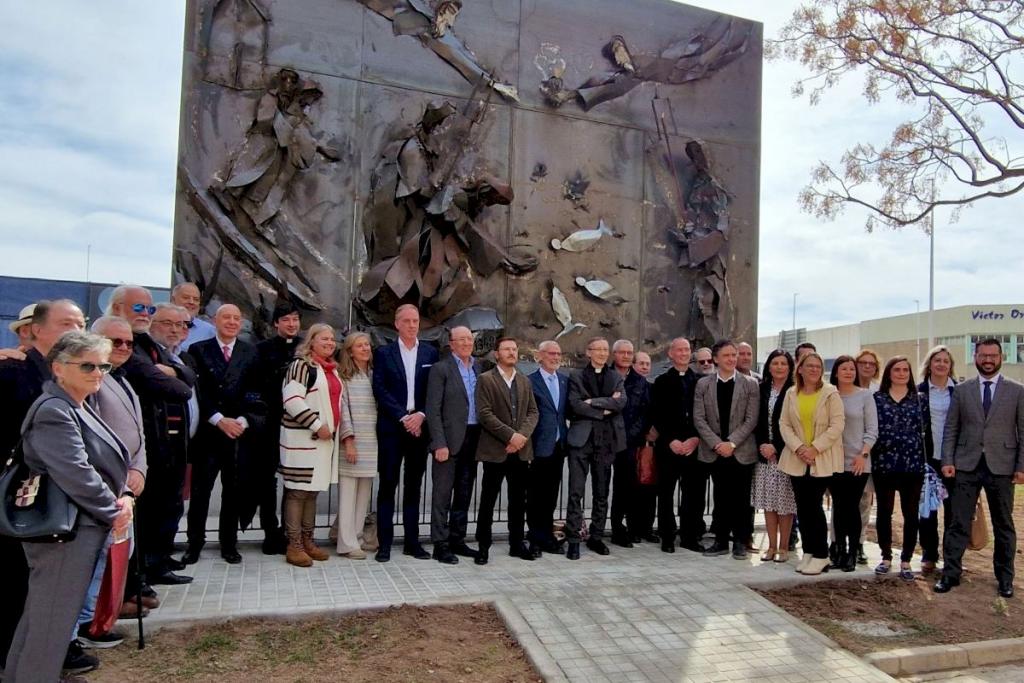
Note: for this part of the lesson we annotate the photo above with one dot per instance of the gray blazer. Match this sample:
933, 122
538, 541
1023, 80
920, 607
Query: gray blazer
84, 457
583, 414
118, 406
746, 398
447, 406
1000, 437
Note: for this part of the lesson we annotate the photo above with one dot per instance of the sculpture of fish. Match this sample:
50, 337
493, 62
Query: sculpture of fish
581, 240
599, 289
560, 305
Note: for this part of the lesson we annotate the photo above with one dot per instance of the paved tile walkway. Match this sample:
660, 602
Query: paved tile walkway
637, 615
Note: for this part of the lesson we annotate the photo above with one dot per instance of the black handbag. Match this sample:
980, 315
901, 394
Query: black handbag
34, 508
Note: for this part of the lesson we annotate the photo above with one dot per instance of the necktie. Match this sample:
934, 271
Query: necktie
553, 388
986, 397
227, 352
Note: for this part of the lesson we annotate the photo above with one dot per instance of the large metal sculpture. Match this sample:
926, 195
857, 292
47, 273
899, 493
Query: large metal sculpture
352, 155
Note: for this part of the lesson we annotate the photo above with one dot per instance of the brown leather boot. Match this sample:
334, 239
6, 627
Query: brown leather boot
318, 554
296, 555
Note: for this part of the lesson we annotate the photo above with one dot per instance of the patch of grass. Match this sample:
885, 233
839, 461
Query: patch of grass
212, 643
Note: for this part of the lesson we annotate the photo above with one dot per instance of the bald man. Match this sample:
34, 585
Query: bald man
229, 404
454, 433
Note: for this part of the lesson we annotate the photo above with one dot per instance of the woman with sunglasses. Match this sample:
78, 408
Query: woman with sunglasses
64, 438
898, 459
812, 425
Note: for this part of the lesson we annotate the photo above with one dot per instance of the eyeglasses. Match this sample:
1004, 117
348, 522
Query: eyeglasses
173, 323
122, 343
868, 363
88, 368
705, 362
140, 308
190, 324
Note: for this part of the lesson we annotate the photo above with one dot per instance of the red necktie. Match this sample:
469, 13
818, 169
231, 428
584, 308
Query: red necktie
227, 353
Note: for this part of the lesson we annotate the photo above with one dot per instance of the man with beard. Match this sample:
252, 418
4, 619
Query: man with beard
983, 447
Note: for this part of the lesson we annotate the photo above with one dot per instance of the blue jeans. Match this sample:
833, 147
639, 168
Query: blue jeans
89, 608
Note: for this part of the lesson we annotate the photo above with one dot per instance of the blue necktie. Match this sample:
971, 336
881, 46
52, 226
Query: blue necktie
986, 397
553, 388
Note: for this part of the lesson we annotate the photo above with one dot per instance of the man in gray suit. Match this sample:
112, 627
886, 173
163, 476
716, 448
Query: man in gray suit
983, 447
454, 433
725, 408
596, 433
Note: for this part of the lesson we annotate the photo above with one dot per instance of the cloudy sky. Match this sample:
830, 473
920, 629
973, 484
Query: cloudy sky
89, 106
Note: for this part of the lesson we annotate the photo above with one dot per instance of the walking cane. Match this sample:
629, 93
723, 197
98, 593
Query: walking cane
138, 570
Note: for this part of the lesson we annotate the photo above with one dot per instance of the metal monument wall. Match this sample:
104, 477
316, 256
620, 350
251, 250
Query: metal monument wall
549, 167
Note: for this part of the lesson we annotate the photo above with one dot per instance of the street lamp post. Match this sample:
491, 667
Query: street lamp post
917, 336
794, 312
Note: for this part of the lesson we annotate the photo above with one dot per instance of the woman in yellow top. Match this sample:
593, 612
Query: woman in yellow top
812, 424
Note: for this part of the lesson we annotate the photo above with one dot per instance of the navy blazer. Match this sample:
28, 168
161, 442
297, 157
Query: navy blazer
233, 389
389, 387
551, 428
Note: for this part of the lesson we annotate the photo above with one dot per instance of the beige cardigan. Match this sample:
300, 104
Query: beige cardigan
829, 421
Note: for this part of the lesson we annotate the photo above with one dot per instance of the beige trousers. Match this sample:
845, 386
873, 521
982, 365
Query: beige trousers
353, 499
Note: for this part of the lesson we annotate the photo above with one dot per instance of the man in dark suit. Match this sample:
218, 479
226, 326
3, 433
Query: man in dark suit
400, 373
983, 447
454, 432
274, 355
725, 408
230, 406
508, 416
596, 434
636, 418
165, 385
676, 452
21, 383
551, 393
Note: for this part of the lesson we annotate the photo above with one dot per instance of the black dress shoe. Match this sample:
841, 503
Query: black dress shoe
169, 578
652, 537
522, 551
622, 540
598, 546
173, 565
275, 544
668, 546
573, 550
191, 556
444, 555
463, 550
416, 551
739, 551
231, 556
636, 538
536, 551
692, 546
148, 592
482, 556
861, 557
716, 549
383, 555
1006, 589
945, 584
76, 661
554, 547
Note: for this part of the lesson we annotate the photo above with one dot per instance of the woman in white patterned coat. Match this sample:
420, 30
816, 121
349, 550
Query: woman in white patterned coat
312, 427
359, 466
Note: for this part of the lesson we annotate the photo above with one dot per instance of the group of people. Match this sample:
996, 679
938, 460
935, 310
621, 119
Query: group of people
116, 415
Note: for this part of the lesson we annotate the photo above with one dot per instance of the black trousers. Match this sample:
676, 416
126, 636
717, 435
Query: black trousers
395, 448
159, 509
14, 579
887, 485
624, 491
847, 489
515, 472
809, 493
452, 490
928, 527
731, 494
999, 491
584, 461
542, 495
645, 509
692, 477
205, 468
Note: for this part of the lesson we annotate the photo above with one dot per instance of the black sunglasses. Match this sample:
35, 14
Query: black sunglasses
139, 308
89, 368
123, 343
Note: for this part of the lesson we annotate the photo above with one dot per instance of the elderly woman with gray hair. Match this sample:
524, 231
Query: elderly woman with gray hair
65, 439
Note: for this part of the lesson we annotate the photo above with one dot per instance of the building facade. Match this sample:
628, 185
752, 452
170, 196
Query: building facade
959, 328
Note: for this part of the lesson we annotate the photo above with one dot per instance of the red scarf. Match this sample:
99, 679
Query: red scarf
333, 387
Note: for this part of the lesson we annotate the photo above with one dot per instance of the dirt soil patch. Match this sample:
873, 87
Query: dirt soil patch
441, 643
971, 612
